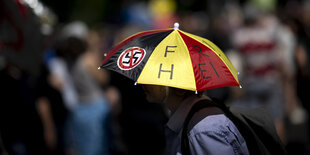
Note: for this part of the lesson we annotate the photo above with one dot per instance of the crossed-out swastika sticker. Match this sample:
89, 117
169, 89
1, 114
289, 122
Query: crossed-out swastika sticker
130, 58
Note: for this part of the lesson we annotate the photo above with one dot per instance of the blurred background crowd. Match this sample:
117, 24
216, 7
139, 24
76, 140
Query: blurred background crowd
53, 100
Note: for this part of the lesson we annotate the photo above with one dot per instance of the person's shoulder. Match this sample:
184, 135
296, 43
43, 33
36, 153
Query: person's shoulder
212, 124
217, 131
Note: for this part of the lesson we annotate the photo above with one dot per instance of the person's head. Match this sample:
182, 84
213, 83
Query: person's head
168, 96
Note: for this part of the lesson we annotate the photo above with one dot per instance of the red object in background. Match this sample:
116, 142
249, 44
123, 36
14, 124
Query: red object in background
20, 36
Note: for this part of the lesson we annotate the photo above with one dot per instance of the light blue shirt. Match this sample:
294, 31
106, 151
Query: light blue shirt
213, 135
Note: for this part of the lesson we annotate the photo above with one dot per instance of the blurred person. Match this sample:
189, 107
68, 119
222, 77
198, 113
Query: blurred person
21, 128
20, 61
61, 59
298, 122
262, 59
89, 117
302, 56
52, 112
56, 89
296, 116
114, 134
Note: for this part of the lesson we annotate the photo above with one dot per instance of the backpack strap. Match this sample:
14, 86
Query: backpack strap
198, 112
253, 144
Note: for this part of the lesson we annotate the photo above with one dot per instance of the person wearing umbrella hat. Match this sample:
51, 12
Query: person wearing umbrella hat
172, 65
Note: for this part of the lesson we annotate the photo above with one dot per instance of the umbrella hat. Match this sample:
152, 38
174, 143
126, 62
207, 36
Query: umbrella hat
171, 57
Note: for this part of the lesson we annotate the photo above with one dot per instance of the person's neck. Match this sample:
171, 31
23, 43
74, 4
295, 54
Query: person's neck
175, 102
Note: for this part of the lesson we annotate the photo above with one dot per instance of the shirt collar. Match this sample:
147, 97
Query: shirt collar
177, 119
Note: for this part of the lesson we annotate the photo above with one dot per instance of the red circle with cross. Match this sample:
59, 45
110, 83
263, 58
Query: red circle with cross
130, 58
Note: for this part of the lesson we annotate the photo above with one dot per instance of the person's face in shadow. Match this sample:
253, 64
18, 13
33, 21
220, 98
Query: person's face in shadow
155, 93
